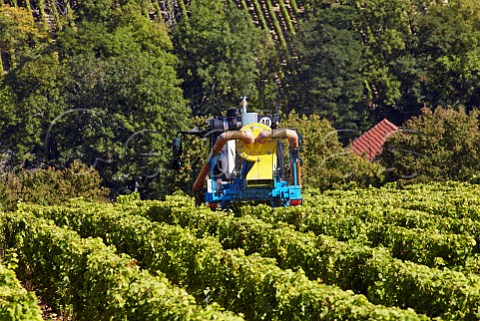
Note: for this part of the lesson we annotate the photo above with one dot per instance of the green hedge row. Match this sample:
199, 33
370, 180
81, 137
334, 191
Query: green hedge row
275, 23
294, 6
345, 221
431, 246
16, 304
250, 284
351, 265
448, 199
457, 245
87, 278
424, 246
183, 10
458, 207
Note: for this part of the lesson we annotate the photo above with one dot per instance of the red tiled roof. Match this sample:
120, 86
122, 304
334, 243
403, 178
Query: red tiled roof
371, 143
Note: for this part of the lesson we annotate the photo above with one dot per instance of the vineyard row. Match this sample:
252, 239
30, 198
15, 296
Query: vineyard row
431, 244
87, 278
251, 284
351, 265
15, 302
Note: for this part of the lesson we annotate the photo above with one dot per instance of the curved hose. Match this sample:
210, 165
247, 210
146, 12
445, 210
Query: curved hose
291, 135
245, 136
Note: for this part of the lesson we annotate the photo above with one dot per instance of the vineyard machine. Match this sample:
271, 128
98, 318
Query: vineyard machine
246, 161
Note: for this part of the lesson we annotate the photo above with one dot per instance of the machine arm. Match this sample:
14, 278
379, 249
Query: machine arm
244, 136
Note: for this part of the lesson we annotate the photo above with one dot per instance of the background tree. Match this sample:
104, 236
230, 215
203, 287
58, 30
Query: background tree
269, 74
99, 11
130, 105
19, 35
325, 163
325, 76
441, 145
106, 94
35, 92
216, 49
448, 50
414, 54
388, 32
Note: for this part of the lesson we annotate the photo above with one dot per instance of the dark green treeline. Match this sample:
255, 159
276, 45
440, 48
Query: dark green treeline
109, 82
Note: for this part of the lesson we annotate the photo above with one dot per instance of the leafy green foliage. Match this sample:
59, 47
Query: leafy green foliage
387, 34
269, 71
94, 10
262, 263
441, 145
126, 102
16, 304
19, 35
326, 78
345, 264
448, 41
89, 279
326, 163
36, 90
105, 93
50, 186
195, 153
216, 49
250, 284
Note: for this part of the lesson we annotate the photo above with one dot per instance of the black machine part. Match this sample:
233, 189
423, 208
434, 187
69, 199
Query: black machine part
280, 161
233, 121
177, 148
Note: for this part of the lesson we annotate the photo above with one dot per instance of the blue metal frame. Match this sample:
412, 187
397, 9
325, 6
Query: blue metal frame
280, 194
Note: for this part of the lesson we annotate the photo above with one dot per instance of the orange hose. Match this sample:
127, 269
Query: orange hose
299, 174
245, 136
291, 135
197, 186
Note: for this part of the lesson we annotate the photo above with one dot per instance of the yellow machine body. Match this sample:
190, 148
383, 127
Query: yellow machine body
262, 156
